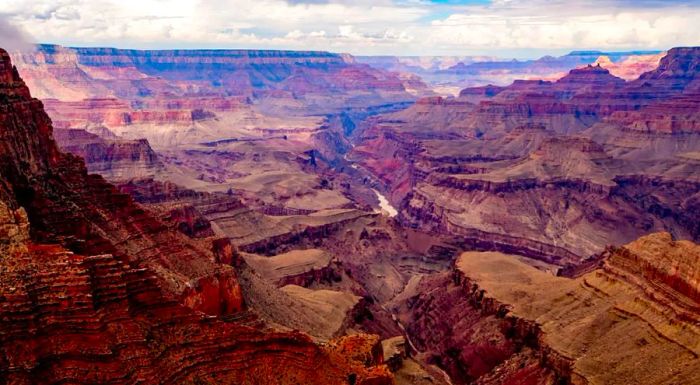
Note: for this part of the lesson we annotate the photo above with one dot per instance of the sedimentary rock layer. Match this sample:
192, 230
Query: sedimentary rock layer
557, 170
94, 288
582, 320
633, 319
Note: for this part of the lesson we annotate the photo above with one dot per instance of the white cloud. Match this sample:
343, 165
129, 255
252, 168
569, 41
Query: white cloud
568, 25
361, 26
13, 37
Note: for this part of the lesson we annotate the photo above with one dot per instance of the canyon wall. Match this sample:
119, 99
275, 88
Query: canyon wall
555, 170
95, 288
89, 73
497, 320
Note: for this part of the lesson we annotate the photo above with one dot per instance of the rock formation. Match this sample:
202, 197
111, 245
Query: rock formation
202, 111
449, 74
296, 267
94, 288
115, 159
74, 74
263, 179
518, 324
631, 67
555, 170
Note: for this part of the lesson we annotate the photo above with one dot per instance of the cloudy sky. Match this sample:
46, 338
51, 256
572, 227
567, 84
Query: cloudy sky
514, 28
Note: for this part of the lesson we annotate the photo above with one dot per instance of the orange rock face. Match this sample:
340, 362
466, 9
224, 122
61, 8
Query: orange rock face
95, 289
632, 67
498, 320
672, 267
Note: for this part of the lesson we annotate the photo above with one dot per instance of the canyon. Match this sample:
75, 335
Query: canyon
553, 170
258, 217
503, 321
95, 288
448, 75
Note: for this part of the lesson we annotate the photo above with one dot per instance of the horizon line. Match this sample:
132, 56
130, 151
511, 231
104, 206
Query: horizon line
554, 53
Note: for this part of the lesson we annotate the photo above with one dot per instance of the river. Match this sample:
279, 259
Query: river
385, 205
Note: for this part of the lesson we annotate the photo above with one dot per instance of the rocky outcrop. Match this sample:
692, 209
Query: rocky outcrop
450, 327
660, 265
577, 321
488, 91
396, 350
66, 317
297, 267
187, 219
152, 191
338, 310
589, 78
567, 183
497, 320
95, 289
675, 75
115, 159
300, 232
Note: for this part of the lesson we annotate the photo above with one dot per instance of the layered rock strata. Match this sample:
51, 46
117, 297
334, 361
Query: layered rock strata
115, 159
631, 320
555, 170
94, 288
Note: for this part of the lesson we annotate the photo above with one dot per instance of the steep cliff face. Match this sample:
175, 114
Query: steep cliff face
114, 159
95, 289
497, 320
450, 329
81, 211
582, 319
676, 74
568, 193
658, 263
85, 73
80, 319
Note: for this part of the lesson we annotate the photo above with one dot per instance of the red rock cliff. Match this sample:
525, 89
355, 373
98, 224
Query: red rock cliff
94, 289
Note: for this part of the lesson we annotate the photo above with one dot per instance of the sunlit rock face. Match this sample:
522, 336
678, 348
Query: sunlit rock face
498, 320
74, 74
97, 289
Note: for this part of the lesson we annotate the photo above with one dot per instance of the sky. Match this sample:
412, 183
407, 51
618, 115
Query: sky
507, 28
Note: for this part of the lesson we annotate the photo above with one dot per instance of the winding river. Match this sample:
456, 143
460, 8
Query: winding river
385, 205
